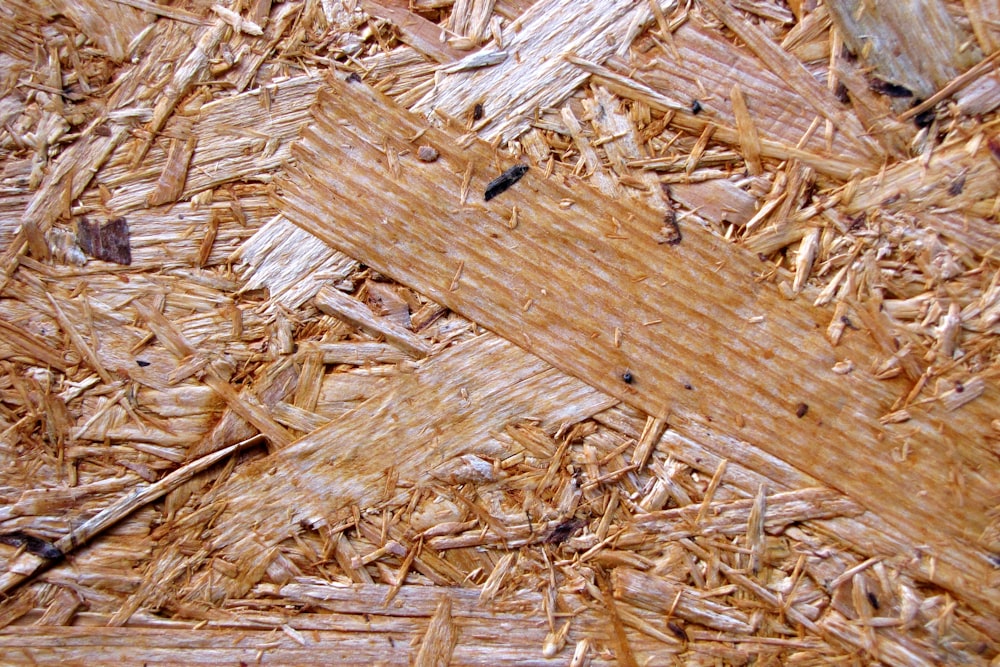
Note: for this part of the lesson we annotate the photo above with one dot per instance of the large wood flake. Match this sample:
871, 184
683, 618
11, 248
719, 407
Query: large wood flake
685, 330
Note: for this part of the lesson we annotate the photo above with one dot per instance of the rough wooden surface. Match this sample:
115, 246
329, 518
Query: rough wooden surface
908, 31
534, 74
411, 427
338, 635
684, 315
395, 484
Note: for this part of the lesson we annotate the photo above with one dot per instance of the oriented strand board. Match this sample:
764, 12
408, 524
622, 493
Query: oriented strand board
683, 329
531, 73
911, 43
451, 406
345, 630
615, 537
707, 68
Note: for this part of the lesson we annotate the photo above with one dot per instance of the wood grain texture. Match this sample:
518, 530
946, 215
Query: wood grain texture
415, 30
449, 407
26, 566
791, 71
347, 631
112, 26
632, 87
337, 304
534, 75
456, 478
237, 137
984, 15
289, 262
72, 170
709, 65
578, 267
910, 43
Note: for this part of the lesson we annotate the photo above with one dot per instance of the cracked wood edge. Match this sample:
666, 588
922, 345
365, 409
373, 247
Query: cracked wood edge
577, 267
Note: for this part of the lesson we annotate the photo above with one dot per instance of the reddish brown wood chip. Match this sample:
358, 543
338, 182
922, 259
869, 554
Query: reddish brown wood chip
109, 242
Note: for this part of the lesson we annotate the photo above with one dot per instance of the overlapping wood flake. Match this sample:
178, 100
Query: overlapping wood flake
250, 446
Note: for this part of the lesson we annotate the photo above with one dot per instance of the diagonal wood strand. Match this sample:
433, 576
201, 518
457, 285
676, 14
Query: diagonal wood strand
577, 267
420, 421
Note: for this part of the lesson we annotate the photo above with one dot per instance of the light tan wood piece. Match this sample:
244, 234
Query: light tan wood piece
698, 174
688, 315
